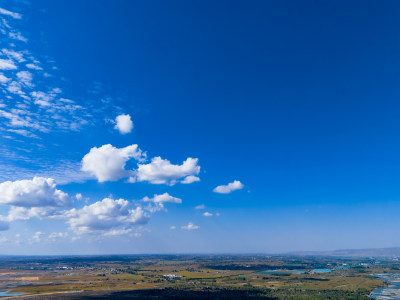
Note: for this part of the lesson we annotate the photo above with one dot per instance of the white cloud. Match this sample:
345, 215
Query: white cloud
37, 237
124, 124
33, 67
33, 193
190, 226
7, 64
10, 13
107, 163
78, 196
25, 78
105, 216
207, 214
117, 232
44, 99
55, 235
16, 88
14, 55
23, 213
159, 200
190, 179
201, 206
17, 120
161, 171
23, 132
230, 187
163, 198
16, 35
4, 79
63, 172
172, 227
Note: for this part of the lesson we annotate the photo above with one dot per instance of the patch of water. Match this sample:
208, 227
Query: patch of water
8, 294
321, 270
392, 291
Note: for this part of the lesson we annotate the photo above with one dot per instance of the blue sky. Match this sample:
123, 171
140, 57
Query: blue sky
293, 104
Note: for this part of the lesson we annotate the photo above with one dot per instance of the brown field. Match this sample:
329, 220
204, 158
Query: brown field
39, 277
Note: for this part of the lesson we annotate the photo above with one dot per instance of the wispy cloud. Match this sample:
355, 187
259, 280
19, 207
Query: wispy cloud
36, 103
10, 13
46, 108
190, 226
200, 206
7, 64
64, 171
23, 132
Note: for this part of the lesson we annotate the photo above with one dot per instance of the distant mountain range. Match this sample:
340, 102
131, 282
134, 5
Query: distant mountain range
374, 252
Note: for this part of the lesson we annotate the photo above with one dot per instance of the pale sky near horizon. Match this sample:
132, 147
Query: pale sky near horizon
198, 126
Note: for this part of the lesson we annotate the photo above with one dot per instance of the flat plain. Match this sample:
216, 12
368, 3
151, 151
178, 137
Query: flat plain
191, 276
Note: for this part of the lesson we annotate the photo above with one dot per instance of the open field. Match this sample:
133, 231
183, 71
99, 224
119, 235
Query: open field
180, 277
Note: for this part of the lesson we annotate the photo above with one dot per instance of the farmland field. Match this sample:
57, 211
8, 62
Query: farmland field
189, 276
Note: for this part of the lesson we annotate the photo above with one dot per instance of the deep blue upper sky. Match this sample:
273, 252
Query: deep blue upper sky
297, 100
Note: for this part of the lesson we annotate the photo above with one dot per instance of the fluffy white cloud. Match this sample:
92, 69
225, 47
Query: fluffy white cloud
159, 200
10, 13
124, 124
107, 163
33, 193
23, 213
7, 64
190, 226
163, 198
190, 179
161, 171
230, 187
105, 216
172, 227
207, 214
78, 196
201, 206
